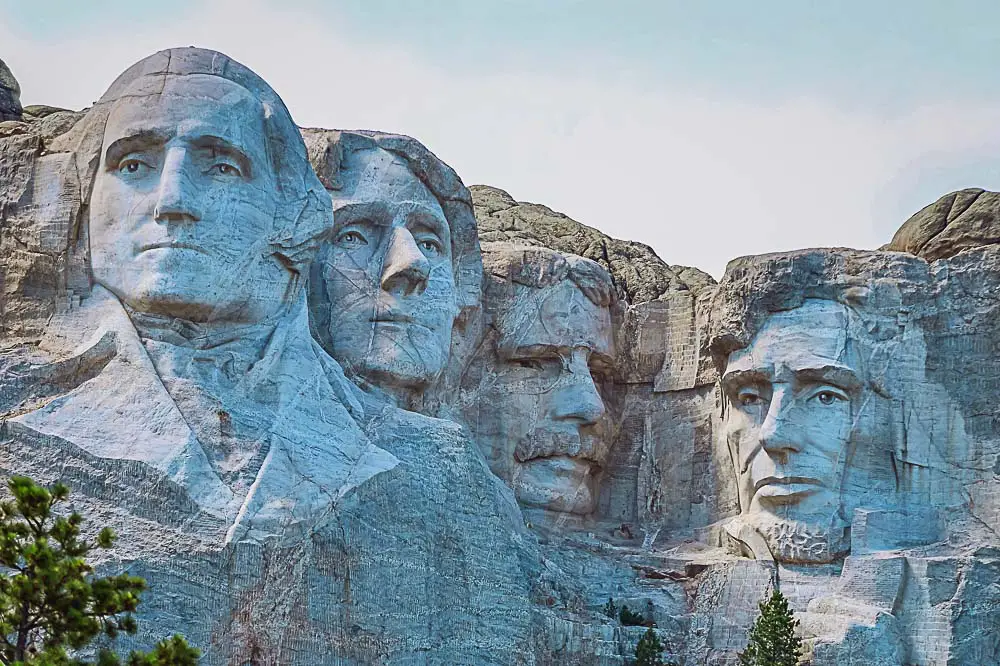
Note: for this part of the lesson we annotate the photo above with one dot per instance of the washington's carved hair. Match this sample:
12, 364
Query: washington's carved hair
303, 214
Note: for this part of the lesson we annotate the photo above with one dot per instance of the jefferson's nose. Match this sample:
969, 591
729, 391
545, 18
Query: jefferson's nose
405, 269
176, 196
777, 432
578, 399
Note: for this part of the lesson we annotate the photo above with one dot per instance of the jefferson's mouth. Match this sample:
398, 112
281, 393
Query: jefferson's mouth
393, 319
172, 245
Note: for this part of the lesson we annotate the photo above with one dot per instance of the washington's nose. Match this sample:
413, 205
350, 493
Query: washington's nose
777, 430
406, 269
176, 199
579, 400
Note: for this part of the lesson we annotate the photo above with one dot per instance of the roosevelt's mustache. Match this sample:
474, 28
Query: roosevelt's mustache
571, 443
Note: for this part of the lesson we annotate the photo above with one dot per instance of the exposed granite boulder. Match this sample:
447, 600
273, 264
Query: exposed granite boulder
956, 222
639, 274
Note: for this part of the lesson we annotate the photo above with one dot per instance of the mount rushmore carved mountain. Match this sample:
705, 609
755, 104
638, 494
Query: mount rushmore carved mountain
343, 409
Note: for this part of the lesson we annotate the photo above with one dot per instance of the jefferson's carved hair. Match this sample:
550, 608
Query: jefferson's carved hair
330, 151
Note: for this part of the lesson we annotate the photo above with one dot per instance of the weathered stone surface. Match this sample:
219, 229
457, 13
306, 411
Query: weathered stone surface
638, 273
331, 427
10, 95
958, 221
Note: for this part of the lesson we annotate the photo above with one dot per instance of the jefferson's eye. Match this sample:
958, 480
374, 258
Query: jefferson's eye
351, 238
224, 169
530, 363
429, 247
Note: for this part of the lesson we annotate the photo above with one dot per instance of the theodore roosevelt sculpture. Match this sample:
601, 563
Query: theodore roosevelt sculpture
538, 413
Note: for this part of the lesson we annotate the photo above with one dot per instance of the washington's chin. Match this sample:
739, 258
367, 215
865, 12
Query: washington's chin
558, 483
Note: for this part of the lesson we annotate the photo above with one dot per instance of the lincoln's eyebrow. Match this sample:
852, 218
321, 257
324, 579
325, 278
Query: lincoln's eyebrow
837, 375
227, 148
140, 140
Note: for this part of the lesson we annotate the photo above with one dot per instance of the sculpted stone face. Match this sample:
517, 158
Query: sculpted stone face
791, 399
541, 416
388, 277
184, 204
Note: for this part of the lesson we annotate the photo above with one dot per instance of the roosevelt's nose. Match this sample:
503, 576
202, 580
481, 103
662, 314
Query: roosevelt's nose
777, 432
578, 399
405, 269
176, 196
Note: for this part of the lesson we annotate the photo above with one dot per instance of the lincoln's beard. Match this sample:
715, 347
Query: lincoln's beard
802, 542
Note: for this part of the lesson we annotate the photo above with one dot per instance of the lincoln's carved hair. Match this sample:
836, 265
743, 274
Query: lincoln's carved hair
877, 289
303, 215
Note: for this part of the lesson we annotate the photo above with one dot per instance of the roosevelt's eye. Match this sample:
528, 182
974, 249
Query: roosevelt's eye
529, 363
133, 166
748, 398
351, 239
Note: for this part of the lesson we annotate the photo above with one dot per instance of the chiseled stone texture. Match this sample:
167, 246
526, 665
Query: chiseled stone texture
355, 461
158, 357
957, 221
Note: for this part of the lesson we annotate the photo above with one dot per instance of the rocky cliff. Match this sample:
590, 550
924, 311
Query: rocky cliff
344, 410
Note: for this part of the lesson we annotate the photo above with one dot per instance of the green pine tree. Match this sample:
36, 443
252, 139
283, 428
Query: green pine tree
630, 618
610, 609
649, 651
772, 637
50, 601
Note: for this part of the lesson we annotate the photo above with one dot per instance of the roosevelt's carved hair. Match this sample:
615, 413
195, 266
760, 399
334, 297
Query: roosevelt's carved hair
539, 267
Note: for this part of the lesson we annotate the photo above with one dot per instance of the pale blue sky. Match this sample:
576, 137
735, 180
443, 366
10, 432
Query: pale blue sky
706, 129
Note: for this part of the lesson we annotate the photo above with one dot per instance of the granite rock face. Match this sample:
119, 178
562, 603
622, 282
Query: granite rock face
10, 95
958, 221
343, 410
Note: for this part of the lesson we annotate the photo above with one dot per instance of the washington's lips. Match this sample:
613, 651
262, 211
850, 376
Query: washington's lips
172, 245
786, 486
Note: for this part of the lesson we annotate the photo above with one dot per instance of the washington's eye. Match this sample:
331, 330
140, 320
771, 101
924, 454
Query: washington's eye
224, 169
748, 399
132, 166
351, 238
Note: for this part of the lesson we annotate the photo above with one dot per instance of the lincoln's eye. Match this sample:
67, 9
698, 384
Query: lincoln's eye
748, 399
